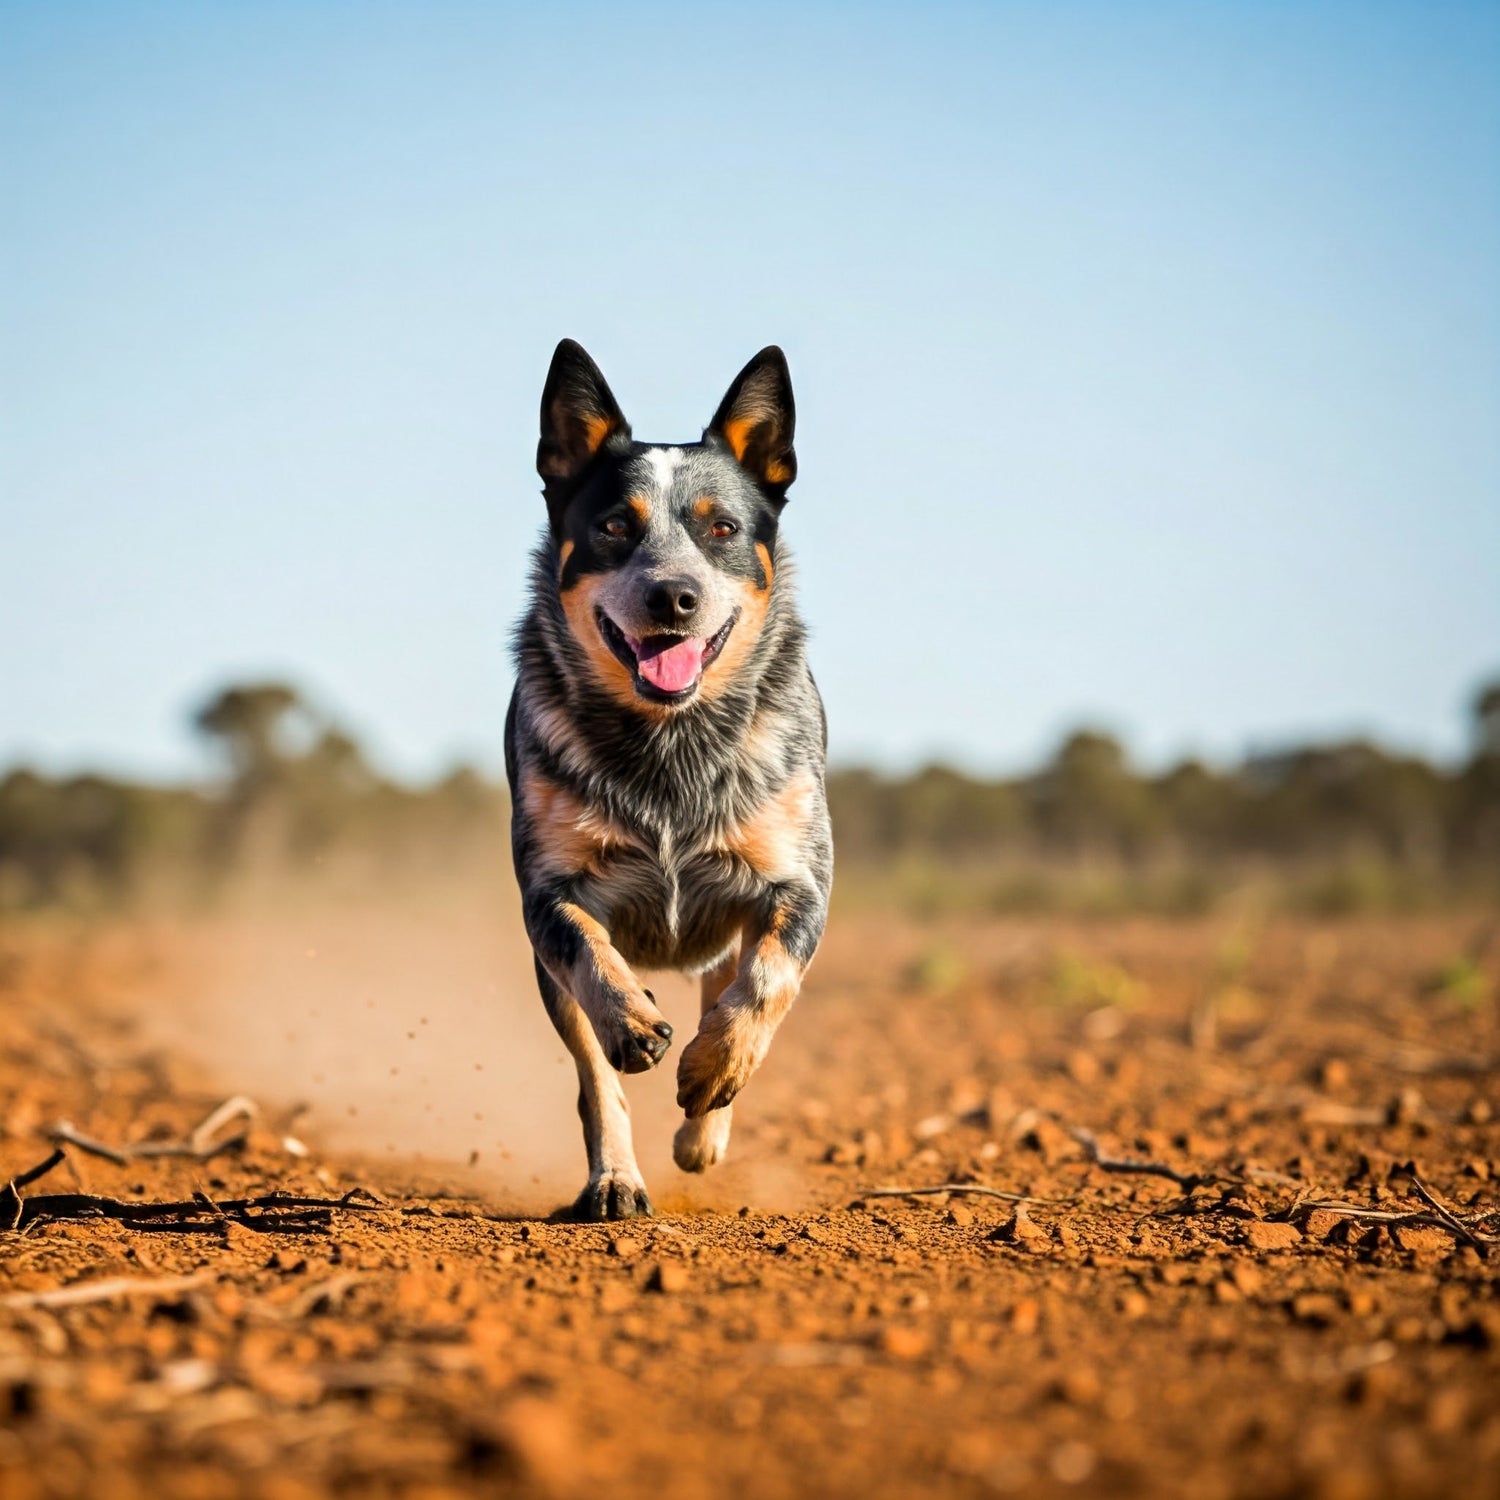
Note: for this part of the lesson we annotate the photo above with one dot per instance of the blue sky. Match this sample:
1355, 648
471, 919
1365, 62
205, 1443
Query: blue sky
1147, 356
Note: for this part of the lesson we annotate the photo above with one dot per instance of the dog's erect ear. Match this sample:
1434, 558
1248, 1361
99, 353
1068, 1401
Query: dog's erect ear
756, 420
579, 414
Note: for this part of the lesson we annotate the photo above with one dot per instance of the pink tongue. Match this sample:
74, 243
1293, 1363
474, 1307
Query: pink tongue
670, 668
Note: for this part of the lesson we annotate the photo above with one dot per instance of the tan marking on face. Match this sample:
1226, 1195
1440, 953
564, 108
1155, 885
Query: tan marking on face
608, 670
772, 841
641, 508
703, 508
572, 837
727, 665
563, 554
763, 552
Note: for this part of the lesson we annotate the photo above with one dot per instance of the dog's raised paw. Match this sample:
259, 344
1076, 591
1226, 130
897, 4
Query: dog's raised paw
613, 1195
718, 1062
636, 1037
702, 1143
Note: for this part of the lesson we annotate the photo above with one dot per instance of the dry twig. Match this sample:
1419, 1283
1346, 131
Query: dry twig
1133, 1166
960, 1187
200, 1145
105, 1290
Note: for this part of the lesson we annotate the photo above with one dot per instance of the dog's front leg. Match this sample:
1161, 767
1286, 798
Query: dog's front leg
734, 1035
574, 947
616, 1189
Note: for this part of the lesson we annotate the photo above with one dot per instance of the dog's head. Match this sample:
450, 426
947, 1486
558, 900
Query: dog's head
665, 554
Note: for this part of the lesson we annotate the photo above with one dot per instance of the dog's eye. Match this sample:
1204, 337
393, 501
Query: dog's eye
722, 529
615, 527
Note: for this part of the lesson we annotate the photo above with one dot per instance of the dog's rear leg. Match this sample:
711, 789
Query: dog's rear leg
700, 1143
615, 1189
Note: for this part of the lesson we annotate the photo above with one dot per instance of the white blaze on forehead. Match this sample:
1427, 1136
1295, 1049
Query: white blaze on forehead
664, 463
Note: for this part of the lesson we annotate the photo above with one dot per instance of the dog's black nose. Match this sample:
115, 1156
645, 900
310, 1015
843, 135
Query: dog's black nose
672, 601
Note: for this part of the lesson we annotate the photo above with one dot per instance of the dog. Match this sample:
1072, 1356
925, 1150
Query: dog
665, 748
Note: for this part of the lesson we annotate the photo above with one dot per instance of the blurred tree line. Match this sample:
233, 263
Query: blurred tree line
1337, 827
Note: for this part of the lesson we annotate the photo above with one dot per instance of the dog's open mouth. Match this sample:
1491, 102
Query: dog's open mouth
666, 668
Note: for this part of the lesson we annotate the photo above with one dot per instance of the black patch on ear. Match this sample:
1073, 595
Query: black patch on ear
579, 416
756, 421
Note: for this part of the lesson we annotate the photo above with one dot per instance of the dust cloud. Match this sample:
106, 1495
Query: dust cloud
412, 1029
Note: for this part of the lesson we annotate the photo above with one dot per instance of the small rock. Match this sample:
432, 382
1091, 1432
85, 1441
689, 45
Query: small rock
1317, 1308
1267, 1236
1020, 1229
668, 1277
625, 1247
1422, 1239
1246, 1277
959, 1215
1072, 1462
1321, 1223
902, 1343
1083, 1067
1134, 1305
1080, 1387
1334, 1075
1478, 1112
1025, 1315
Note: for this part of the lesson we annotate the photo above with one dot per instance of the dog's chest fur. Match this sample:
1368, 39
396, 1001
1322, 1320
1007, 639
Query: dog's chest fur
672, 834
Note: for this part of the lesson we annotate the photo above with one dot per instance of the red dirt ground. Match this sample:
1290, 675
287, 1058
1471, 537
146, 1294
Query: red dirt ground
1128, 1336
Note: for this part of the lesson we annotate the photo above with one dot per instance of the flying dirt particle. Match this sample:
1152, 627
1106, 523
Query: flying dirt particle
473, 1158
1263, 1236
